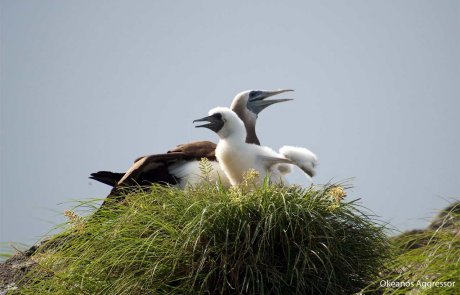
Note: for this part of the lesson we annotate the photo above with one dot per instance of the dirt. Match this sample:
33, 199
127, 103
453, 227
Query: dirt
13, 271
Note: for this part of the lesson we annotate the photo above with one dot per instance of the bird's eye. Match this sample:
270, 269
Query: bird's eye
218, 116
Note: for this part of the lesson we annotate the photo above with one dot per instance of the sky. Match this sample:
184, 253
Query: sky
92, 85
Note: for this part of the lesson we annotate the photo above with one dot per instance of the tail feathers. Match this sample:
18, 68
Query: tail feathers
301, 157
107, 177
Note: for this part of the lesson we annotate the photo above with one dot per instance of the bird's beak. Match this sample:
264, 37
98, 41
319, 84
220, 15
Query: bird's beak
215, 124
258, 103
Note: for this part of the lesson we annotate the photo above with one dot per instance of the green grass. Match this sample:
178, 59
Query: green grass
422, 259
211, 240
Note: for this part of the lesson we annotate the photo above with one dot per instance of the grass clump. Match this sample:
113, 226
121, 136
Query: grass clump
426, 261
211, 240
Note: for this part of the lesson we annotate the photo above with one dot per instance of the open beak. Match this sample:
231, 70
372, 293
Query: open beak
215, 123
258, 103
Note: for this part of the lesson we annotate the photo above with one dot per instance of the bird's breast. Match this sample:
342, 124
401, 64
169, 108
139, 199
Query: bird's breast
235, 160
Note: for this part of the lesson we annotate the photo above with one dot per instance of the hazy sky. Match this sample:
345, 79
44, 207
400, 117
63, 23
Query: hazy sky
92, 85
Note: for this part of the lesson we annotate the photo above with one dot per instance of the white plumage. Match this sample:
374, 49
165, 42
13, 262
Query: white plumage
236, 157
181, 165
302, 157
190, 173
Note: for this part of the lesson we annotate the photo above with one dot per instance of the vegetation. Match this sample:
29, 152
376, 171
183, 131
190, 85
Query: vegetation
426, 261
207, 239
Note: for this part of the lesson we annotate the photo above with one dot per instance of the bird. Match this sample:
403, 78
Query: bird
236, 156
180, 165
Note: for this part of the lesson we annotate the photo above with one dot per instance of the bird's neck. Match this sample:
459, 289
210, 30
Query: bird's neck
249, 121
235, 137
251, 136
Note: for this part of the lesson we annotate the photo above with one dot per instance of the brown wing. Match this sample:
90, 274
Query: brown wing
155, 168
193, 150
151, 169
196, 150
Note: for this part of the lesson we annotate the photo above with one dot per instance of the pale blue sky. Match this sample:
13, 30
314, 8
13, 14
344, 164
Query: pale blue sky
91, 85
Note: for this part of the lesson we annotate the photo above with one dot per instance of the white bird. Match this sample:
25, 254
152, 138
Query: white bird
180, 166
236, 157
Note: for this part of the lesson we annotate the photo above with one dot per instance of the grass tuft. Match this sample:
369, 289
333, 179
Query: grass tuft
207, 239
425, 261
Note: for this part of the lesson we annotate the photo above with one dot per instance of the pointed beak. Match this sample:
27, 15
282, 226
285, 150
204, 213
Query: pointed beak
258, 103
215, 124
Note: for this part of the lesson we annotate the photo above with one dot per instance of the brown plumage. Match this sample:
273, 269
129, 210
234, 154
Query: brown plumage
154, 168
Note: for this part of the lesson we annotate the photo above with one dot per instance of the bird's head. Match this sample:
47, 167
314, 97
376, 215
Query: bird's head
252, 102
224, 122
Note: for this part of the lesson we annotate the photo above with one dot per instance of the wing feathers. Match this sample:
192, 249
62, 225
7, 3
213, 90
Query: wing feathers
302, 158
269, 161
